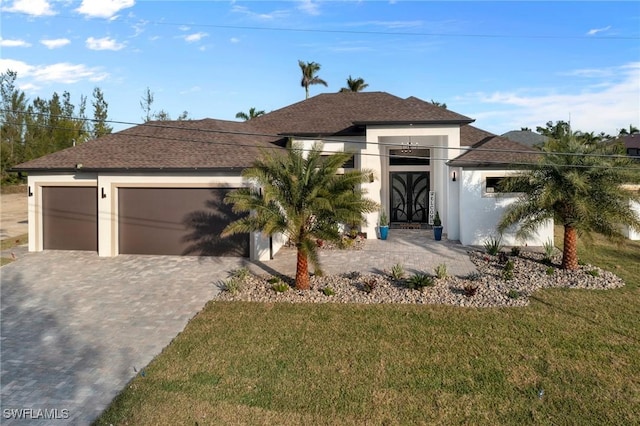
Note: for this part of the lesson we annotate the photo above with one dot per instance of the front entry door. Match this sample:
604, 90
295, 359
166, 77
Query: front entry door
409, 197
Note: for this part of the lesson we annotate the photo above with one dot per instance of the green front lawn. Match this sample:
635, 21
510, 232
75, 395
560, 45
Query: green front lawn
571, 357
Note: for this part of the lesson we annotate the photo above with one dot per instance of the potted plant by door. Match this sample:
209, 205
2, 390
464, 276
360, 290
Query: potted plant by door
437, 227
383, 225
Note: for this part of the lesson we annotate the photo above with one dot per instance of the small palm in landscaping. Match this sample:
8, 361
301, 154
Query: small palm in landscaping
302, 197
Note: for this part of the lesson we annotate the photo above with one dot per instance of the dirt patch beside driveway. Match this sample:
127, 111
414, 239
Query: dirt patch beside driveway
13, 215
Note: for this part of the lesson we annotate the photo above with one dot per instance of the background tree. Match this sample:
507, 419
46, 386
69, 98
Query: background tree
146, 104
303, 198
355, 85
100, 114
558, 130
578, 185
439, 104
253, 113
632, 129
33, 129
309, 77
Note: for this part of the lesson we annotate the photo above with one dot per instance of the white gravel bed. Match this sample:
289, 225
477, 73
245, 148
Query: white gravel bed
530, 273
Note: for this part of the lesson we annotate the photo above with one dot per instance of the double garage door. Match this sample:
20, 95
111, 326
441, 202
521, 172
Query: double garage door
164, 221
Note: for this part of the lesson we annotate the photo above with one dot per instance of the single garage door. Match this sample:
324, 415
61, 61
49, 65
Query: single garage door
177, 221
70, 218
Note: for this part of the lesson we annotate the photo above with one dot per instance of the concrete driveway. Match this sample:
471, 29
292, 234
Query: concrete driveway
74, 326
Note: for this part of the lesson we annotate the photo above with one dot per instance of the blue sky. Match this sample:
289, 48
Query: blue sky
506, 64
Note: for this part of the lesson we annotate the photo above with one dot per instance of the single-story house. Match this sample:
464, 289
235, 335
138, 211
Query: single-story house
157, 188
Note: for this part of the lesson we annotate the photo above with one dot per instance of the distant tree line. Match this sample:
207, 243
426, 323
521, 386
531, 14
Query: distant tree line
32, 128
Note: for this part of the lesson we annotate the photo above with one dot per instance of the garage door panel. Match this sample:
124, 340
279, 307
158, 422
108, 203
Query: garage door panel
70, 218
177, 221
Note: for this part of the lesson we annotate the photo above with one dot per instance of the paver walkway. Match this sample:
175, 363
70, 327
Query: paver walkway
74, 326
416, 250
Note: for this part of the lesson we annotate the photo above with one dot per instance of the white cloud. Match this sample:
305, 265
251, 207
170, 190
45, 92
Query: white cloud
103, 8
65, 72
276, 14
234, 40
184, 28
55, 43
309, 7
598, 30
31, 7
105, 43
192, 38
193, 89
13, 43
62, 72
607, 104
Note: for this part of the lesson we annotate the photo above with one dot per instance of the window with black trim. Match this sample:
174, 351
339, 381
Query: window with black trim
495, 185
409, 157
349, 164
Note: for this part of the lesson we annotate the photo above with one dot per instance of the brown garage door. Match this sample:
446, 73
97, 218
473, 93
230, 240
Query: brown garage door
70, 218
177, 221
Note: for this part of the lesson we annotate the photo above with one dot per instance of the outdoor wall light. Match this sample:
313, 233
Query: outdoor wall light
29, 193
104, 195
454, 176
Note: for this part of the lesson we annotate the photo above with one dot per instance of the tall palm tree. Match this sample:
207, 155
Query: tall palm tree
252, 114
303, 198
580, 186
355, 85
309, 77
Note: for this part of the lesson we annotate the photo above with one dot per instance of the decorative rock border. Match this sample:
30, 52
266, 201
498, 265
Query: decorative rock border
490, 288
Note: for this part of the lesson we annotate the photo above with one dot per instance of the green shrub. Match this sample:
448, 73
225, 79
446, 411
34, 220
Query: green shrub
594, 273
551, 270
328, 291
507, 272
240, 273
441, 271
549, 249
232, 285
419, 281
493, 245
280, 287
515, 251
513, 294
273, 280
397, 272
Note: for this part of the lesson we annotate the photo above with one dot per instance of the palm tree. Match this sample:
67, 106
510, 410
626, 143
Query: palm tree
252, 114
355, 85
632, 129
309, 77
580, 186
303, 198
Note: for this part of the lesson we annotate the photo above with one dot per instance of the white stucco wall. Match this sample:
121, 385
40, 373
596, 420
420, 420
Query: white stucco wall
108, 206
480, 212
628, 232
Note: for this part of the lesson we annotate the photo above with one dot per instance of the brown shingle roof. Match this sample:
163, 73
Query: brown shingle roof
490, 150
342, 113
191, 144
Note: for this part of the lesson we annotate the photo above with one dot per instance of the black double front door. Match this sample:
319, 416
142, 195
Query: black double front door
409, 197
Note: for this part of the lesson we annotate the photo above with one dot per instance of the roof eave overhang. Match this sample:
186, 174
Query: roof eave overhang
130, 169
412, 122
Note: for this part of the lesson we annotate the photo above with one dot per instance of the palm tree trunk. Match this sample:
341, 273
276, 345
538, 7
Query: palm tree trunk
306, 91
570, 251
302, 272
